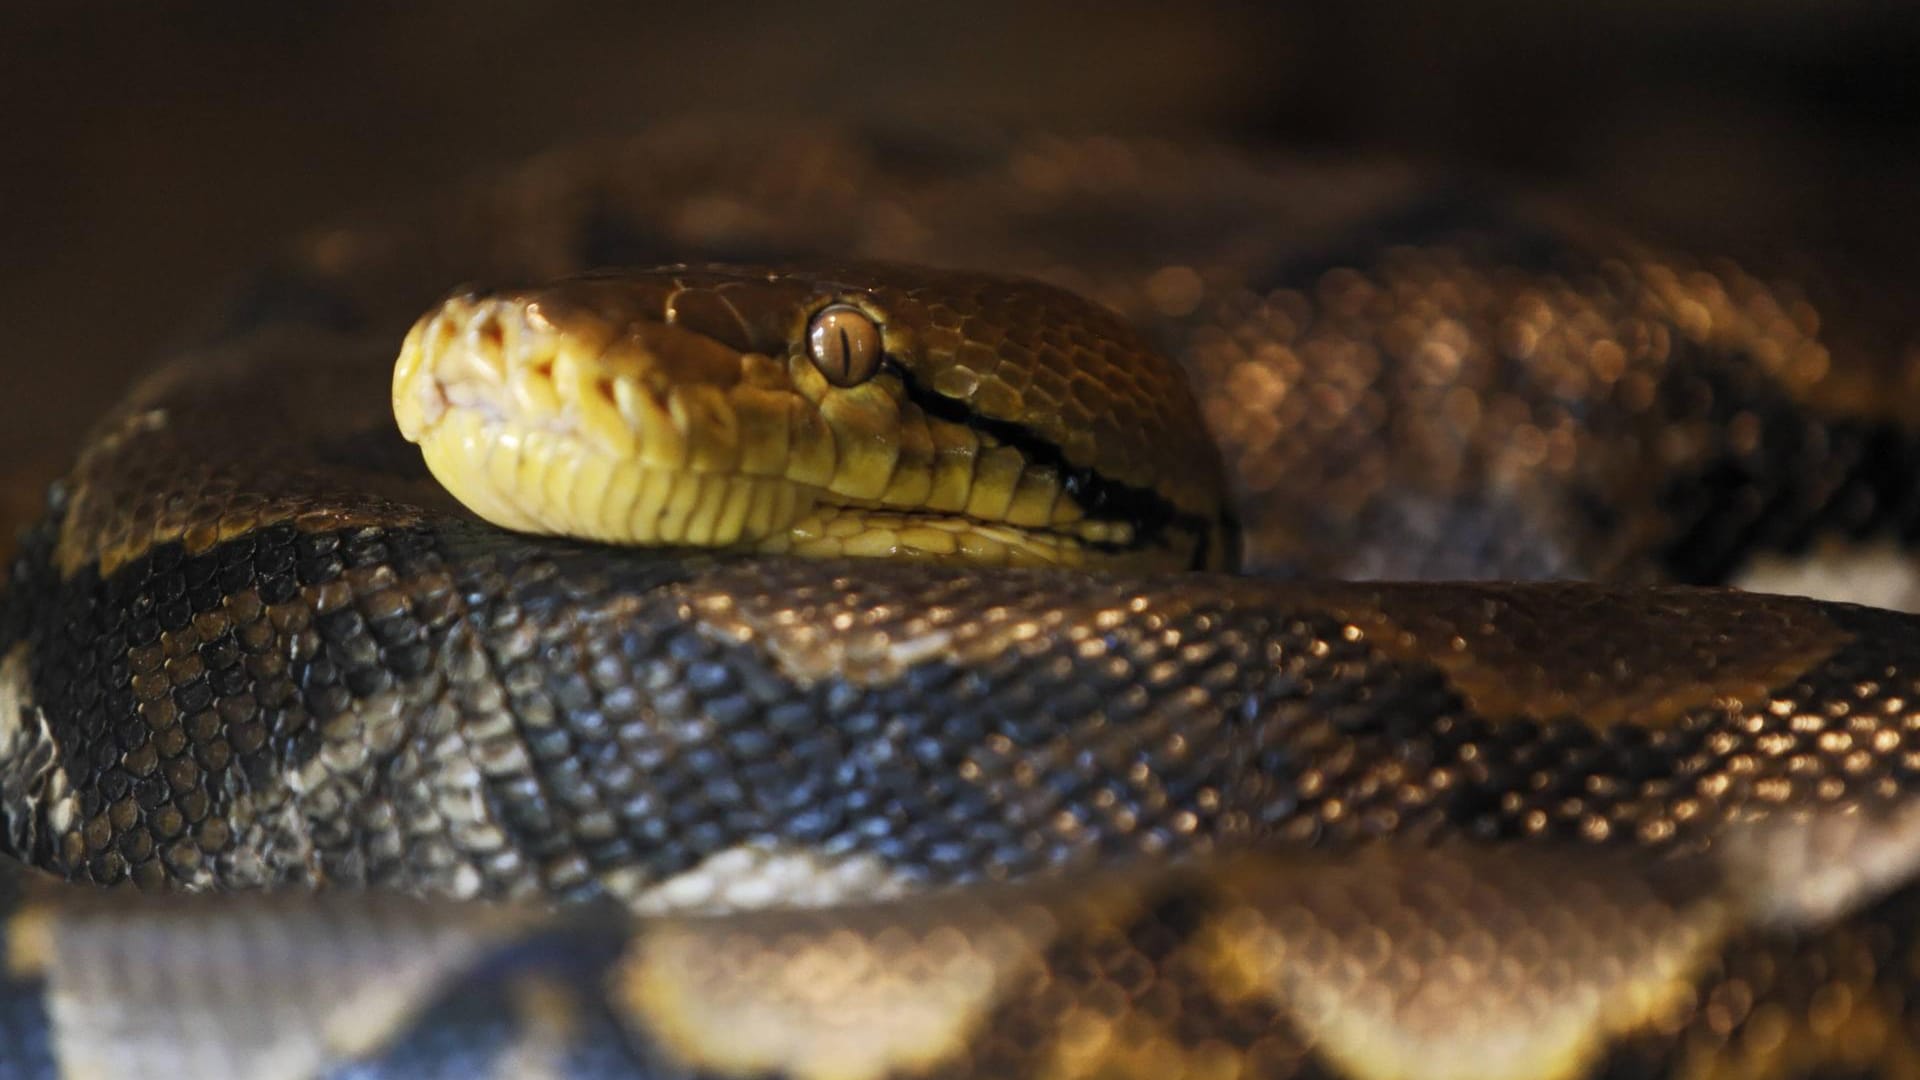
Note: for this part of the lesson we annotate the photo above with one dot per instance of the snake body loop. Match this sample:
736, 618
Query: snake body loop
410, 793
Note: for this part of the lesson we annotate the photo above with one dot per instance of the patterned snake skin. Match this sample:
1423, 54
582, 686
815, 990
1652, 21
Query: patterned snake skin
862, 819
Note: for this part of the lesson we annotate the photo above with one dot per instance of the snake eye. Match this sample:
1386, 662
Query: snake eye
844, 343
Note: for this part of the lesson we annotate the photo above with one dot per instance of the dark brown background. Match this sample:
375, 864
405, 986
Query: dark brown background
150, 152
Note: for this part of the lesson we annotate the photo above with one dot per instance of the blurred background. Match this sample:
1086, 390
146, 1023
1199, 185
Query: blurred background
151, 152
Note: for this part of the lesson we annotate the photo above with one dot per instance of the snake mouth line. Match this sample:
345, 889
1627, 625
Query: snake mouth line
1140, 517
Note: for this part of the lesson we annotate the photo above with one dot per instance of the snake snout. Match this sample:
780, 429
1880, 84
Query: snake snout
544, 417
456, 355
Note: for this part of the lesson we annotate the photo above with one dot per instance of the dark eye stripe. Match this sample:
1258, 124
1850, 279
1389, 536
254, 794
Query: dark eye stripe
1150, 513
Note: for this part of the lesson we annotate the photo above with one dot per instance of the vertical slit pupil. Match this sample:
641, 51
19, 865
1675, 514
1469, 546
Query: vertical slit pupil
844, 345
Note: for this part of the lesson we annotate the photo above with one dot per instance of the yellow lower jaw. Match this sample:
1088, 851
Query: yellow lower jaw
533, 481
540, 482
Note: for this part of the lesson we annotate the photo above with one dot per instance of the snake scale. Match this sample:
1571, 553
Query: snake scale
834, 817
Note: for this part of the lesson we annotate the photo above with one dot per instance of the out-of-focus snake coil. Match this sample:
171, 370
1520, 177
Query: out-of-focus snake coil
1118, 766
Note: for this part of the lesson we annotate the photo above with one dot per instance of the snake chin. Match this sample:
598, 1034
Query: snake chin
879, 532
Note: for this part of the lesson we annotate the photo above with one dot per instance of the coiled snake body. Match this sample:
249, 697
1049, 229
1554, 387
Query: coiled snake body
845, 817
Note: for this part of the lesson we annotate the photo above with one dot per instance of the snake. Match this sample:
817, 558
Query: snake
837, 604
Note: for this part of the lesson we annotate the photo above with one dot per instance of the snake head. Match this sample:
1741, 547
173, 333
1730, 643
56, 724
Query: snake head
853, 409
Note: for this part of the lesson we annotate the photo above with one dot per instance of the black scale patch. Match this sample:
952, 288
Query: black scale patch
537, 1004
170, 692
1145, 972
1802, 477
